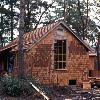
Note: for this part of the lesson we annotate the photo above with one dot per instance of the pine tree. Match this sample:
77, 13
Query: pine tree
9, 20
11, 16
76, 15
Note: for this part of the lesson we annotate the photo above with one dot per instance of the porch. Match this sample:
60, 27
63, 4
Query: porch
94, 76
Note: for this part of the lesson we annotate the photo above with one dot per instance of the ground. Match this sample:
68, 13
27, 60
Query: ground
62, 93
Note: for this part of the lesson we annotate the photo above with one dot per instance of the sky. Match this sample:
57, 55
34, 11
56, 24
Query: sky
49, 1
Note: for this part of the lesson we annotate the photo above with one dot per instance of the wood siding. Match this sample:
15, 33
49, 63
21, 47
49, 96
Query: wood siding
39, 61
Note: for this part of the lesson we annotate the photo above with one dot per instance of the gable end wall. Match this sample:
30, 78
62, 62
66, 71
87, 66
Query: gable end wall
39, 61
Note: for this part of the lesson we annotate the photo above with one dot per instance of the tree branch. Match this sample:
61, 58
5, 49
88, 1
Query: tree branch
43, 14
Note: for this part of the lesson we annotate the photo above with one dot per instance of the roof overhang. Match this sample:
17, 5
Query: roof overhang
92, 54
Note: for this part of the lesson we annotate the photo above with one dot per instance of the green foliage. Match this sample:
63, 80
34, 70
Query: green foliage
11, 86
34, 9
8, 22
14, 87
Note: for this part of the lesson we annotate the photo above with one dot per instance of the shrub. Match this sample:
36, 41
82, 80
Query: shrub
14, 87
11, 86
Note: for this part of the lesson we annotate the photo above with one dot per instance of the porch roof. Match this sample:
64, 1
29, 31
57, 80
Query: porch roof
10, 45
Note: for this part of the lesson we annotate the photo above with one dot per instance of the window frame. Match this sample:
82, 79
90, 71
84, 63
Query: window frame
63, 56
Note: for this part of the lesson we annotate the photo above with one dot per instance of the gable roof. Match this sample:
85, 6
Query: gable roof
33, 37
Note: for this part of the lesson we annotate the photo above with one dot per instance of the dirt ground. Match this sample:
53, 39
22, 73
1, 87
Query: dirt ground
63, 95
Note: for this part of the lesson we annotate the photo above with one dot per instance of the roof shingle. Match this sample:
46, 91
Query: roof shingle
32, 37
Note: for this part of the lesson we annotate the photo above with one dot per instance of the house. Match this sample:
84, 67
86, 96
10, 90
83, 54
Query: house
53, 54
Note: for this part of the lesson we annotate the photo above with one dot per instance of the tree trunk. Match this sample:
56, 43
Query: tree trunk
27, 17
98, 51
82, 20
12, 22
21, 68
64, 12
87, 15
2, 30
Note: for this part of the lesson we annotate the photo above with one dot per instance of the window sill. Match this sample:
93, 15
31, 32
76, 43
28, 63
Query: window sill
60, 69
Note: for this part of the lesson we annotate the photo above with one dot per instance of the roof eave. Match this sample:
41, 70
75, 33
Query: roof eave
87, 46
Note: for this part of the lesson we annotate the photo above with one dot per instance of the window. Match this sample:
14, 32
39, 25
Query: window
60, 54
72, 82
60, 32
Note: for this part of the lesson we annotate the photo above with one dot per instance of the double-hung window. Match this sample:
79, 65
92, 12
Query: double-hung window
60, 54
